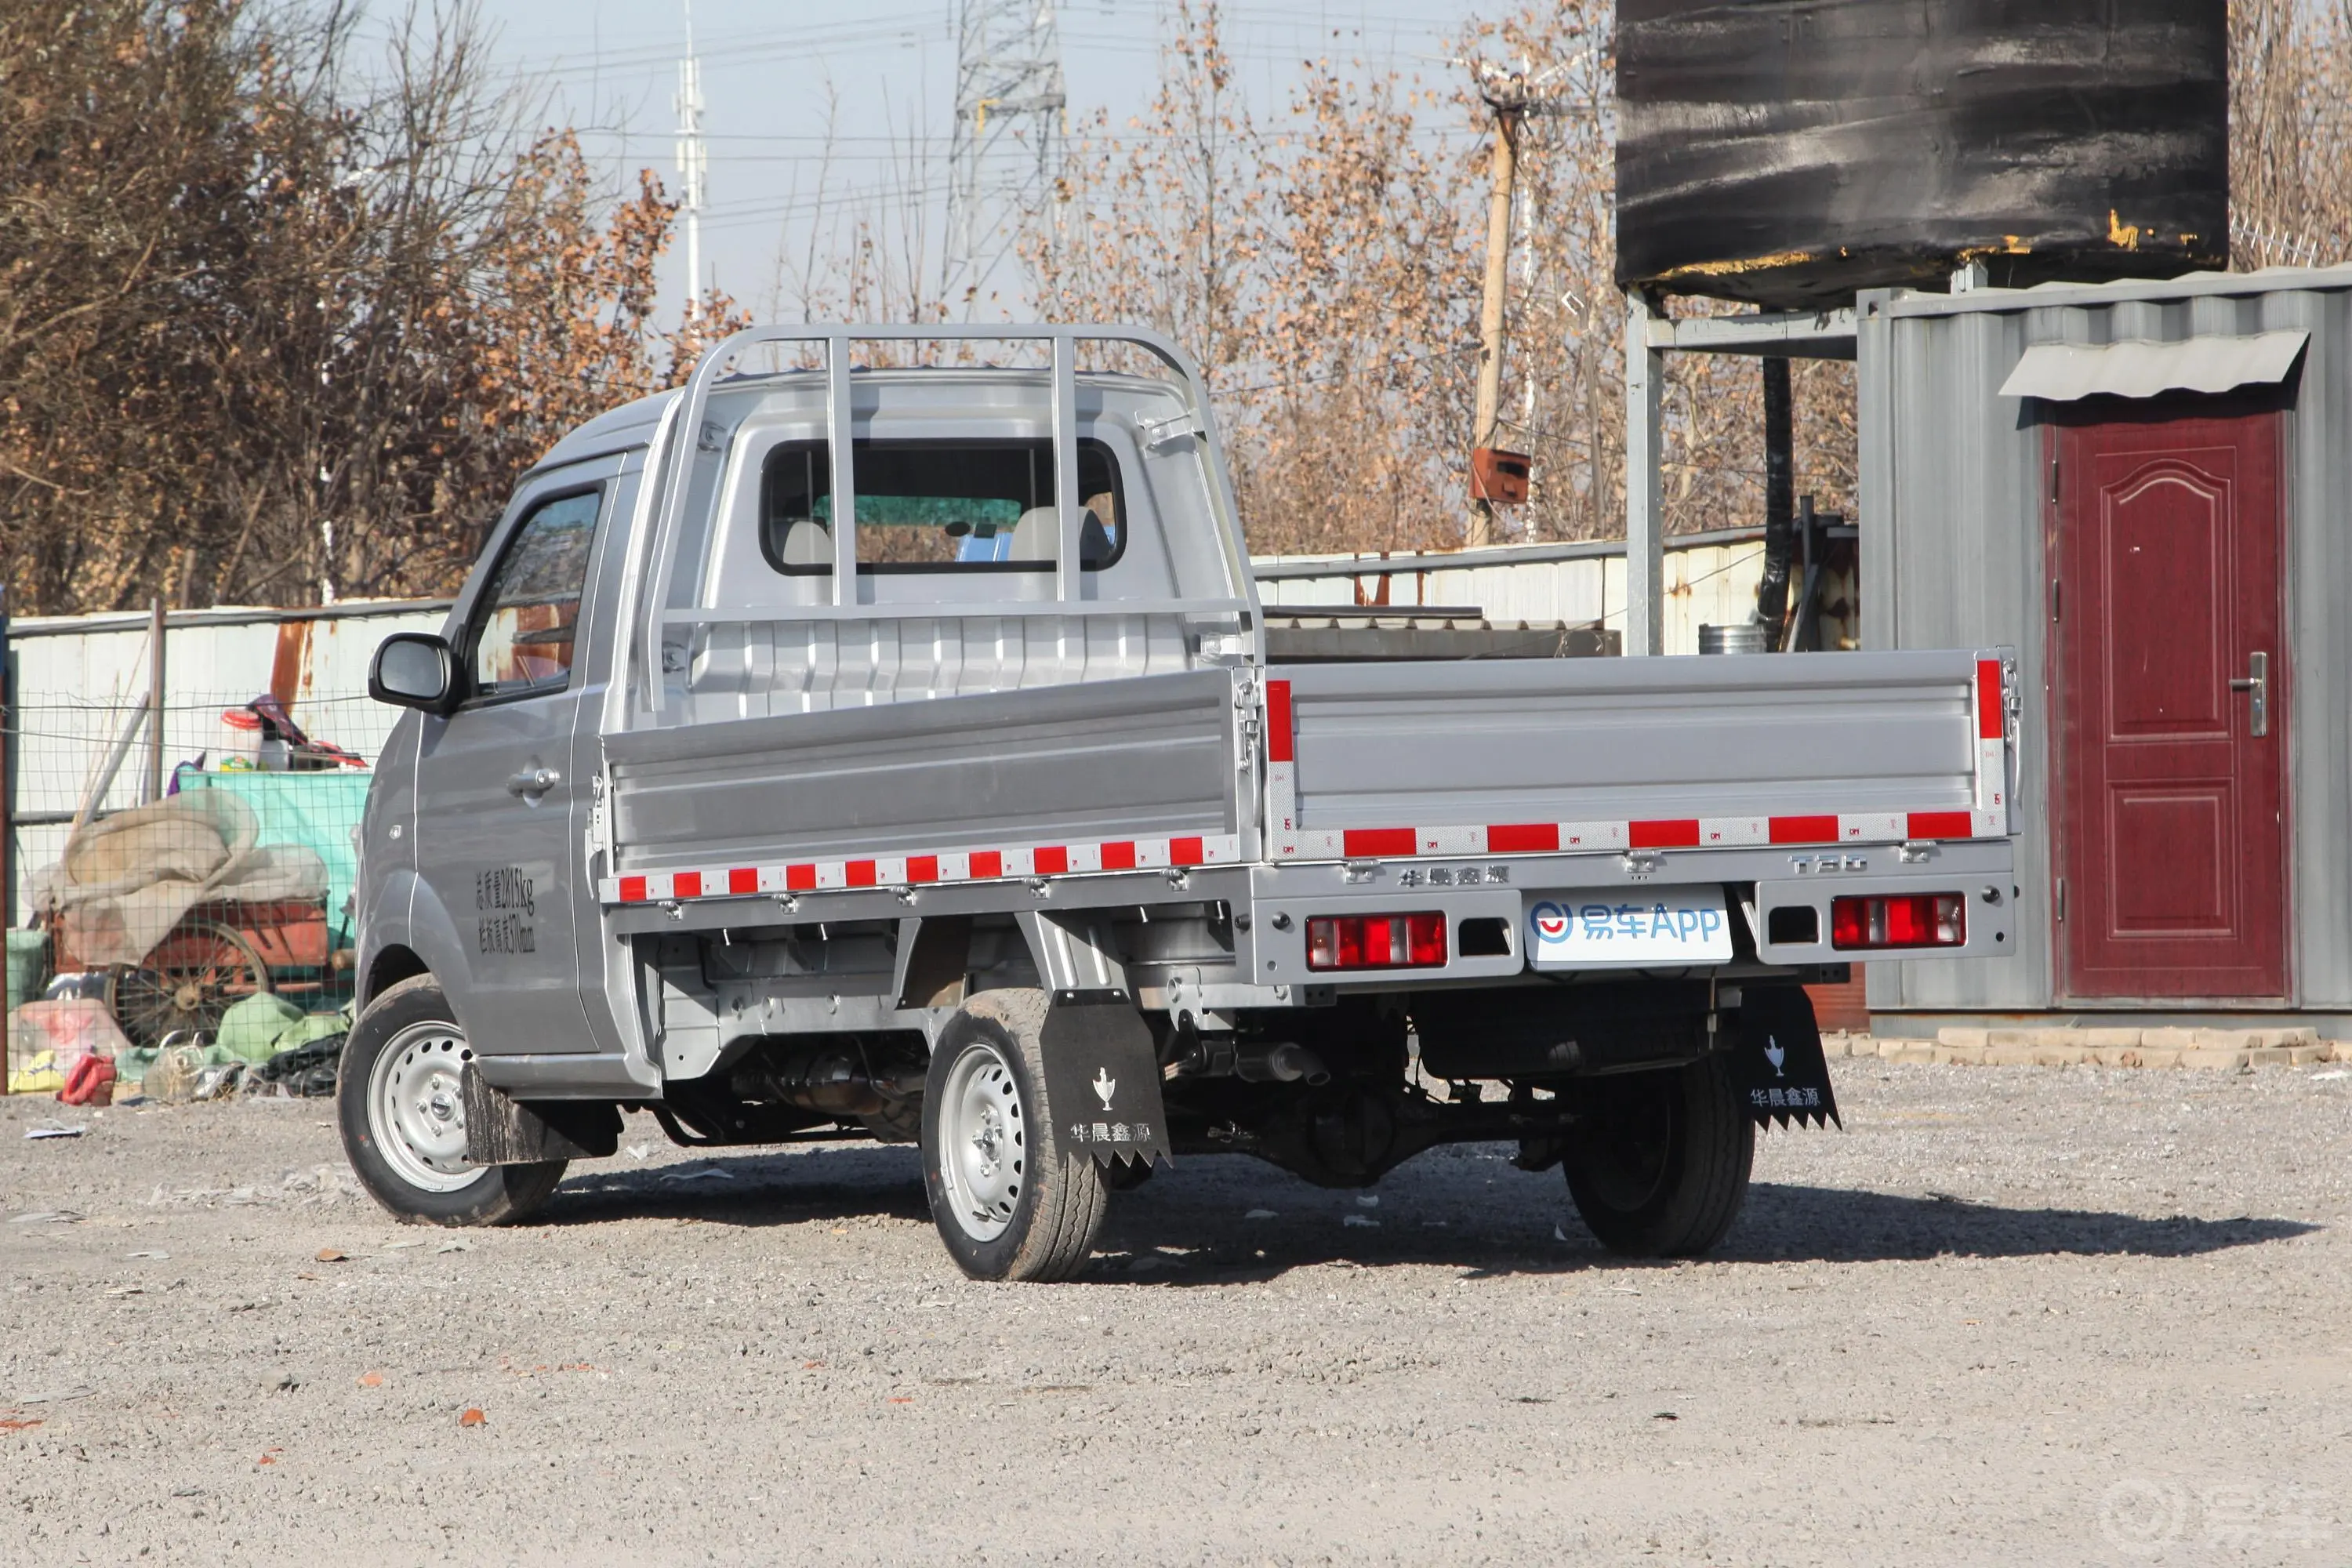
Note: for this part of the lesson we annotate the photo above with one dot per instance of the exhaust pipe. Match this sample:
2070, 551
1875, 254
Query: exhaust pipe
1281, 1063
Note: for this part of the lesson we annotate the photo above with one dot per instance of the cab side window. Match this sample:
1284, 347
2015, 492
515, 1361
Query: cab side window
523, 629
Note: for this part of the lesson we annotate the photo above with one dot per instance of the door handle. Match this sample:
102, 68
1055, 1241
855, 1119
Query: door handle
533, 782
2256, 685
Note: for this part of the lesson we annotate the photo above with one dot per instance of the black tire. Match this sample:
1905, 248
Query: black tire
1658, 1163
1024, 1206
415, 1177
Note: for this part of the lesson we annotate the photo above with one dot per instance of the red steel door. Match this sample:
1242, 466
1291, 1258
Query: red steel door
2170, 807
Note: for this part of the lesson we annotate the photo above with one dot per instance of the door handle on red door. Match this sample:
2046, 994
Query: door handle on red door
2256, 685
532, 782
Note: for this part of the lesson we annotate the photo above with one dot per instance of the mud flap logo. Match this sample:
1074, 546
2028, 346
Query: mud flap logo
1779, 1061
1103, 1081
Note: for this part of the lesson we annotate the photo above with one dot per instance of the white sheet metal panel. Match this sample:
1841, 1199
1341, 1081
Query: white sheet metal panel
1953, 475
1710, 580
2063, 373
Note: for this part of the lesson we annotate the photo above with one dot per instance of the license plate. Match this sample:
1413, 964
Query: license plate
1629, 927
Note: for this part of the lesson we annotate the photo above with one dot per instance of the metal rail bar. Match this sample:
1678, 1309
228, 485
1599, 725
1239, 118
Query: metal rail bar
672, 473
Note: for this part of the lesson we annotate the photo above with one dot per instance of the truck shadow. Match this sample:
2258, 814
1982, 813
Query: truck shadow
1782, 1224
1227, 1219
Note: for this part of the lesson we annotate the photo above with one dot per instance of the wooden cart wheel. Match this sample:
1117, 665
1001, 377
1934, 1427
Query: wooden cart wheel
191, 979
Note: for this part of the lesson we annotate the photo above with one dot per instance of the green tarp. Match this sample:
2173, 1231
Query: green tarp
319, 811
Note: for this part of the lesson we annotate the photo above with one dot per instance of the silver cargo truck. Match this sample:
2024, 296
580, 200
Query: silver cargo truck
890, 751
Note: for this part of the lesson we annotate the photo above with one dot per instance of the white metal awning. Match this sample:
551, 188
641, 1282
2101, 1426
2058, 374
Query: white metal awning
2064, 371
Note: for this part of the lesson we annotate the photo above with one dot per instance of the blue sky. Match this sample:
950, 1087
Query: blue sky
612, 68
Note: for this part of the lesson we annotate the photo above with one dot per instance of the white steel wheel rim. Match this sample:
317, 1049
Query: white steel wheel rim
416, 1107
984, 1143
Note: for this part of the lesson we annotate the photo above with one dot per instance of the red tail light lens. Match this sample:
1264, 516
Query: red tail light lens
1376, 942
1912, 920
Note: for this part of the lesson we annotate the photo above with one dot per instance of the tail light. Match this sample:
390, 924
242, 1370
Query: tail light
1908, 920
1377, 942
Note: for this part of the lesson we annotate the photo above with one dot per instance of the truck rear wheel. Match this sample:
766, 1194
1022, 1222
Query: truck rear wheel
1658, 1162
1010, 1201
404, 1119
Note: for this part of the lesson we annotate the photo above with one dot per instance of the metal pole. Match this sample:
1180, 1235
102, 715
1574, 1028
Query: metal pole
155, 704
1645, 570
1491, 303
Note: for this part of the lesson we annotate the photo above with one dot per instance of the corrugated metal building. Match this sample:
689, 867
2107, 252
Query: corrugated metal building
2146, 488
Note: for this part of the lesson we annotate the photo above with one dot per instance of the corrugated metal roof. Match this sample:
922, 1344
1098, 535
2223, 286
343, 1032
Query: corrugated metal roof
2062, 373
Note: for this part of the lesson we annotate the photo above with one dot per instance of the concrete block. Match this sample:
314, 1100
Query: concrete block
1960, 1056
1907, 1051
2168, 1039
2059, 1056
2008, 1056
2213, 1057
2225, 1039
2118, 1056
2271, 1056
2159, 1056
1998, 1038
1974, 1038
2301, 1036
2109, 1039
2304, 1055
2339, 1050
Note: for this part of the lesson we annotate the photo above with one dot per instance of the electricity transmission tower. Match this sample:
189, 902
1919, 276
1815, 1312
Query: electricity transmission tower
1006, 158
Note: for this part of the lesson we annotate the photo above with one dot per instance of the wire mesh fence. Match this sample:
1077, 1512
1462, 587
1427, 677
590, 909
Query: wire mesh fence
183, 845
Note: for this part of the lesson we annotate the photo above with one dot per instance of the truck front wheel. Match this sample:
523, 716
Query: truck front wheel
1009, 1200
404, 1119
1658, 1162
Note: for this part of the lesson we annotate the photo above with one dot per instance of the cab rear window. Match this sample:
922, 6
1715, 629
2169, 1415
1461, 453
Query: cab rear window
938, 506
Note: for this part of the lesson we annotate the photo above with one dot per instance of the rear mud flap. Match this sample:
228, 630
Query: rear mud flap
1103, 1079
1781, 1071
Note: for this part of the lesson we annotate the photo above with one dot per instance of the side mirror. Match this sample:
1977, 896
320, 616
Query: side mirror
414, 669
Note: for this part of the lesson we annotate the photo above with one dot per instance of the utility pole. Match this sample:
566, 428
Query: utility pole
1497, 477
1006, 158
693, 164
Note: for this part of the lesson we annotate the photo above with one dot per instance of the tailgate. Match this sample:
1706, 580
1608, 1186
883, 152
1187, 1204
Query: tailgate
1097, 776
1554, 756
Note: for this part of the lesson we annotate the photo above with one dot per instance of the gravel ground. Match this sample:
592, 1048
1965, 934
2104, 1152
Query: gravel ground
2047, 1315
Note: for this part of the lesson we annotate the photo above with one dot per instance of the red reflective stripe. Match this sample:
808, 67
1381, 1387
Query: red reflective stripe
742, 879
1118, 856
1804, 830
799, 878
1667, 833
1051, 860
1521, 838
633, 890
1989, 699
858, 873
1277, 721
1379, 841
1940, 825
922, 867
1187, 852
987, 863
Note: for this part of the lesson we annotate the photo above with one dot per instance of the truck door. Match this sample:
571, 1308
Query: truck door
497, 834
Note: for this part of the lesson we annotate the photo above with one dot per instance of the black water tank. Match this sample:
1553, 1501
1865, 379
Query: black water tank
1792, 153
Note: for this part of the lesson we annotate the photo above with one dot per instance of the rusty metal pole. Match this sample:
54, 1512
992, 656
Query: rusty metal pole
1508, 106
155, 704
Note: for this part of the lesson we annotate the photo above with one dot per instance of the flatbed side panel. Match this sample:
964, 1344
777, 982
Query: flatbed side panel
1105, 762
1679, 751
